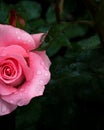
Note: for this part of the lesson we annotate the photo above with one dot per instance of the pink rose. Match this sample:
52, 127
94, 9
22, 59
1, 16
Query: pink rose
23, 73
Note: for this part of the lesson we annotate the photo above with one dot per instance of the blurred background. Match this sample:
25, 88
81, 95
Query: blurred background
74, 97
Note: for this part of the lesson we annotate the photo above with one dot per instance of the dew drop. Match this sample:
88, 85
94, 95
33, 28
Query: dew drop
40, 82
22, 89
16, 32
25, 92
21, 94
3, 109
45, 68
42, 63
38, 72
20, 103
11, 101
15, 93
46, 74
19, 37
40, 89
29, 40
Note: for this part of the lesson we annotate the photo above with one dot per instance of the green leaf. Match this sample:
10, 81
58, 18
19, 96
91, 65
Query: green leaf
37, 25
75, 30
55, 37
90, 43
57, 44
28, 9
50, 15
4, 12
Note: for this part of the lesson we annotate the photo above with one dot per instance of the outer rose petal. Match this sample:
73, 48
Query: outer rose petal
6, 108
12, 50
37, 38
35, 86
10, 35
26, 70
45, 58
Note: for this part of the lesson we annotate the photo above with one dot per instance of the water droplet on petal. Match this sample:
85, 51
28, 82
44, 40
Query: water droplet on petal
40, 82
38, 72
45, 68
20, 103
25, 92
42, 63
3, 109
16, 92
11, 101
19, 37
29, 40
21, 89
46, 74
21, 94
16, 32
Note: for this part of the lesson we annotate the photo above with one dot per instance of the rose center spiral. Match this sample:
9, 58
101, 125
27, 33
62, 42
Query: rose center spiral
11, 72
7, 71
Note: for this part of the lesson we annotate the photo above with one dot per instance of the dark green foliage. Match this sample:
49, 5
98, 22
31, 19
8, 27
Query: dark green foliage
4, 12
28, 9
27, 116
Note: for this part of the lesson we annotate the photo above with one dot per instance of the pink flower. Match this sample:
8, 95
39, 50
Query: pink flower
23, 73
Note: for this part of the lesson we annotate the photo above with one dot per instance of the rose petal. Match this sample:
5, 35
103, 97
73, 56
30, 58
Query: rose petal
44, 57
13, 49
13, 80
6, 108
10, 35
24, 65
26, 69
6, 89
37, 38
35, 86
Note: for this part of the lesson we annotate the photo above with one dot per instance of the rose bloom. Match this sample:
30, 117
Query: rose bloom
23, 72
